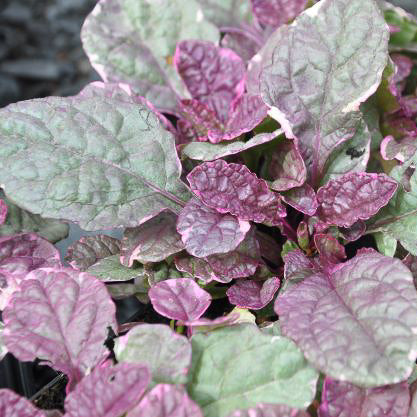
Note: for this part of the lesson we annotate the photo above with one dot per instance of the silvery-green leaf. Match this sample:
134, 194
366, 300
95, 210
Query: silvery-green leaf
110, 269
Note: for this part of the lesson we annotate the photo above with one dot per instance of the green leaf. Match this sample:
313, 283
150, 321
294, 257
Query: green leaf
134, 41
386, 244
110, 269
98, 161
237, 367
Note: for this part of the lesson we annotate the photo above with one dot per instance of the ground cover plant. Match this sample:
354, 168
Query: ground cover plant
260, 157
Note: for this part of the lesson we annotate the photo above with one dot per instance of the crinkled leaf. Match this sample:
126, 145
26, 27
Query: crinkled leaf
22, 221
72, 158
214, 76
206, 151
244, 46
232, 188
167, 401
110, 269
341, 399
224, 377
307, 81
411, 262
108, 391
401, 150
302, 199
162, 271
204, 231
179, 299
297, 266
386, 244
354, 232
365, 316
60, 316
90, 249
152, 241
253, 294
19, 255
277, 12
354, 196
124, 42
330, 250
270, 410
196, 267
166, 353
13, 405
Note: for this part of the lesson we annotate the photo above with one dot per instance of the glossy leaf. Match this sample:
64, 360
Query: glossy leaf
79, 164
225, 378
352, 197
179, 299
330, 250
302, 198
166, 353
110, 269
108, 391
277, 12
13, 405
204, 231
309, 87
196, 267
365, 314
298, 266
232, 188
61, 316
124, 42
152, 241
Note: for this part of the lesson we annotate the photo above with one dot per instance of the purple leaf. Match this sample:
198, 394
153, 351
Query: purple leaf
277, 12
244, 46
402, 150
403, 67
358, 195
298, 266
214, 76
3, 211
330, 250
13, 405
196, 267
19, 255
167, 401
357, 324
207, 325
179, 299
253, 294
232, 188
411, 262
354, 232
302, 199
90, 249
270, 410
108, 391
287, 167
204, 231
341, 399
152, 241
60, 316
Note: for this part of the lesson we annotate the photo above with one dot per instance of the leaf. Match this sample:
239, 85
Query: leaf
386, 244
196, 267
108, 391
330, 250
110, 269
224, 376
308, 71
341, 399
3, 349
166, 353
232, 188
60, 316
152, 241
179, 299
79, 164
401, 151
124, 42
297, 266
205, 231
167, 401
355, 196
302, 199
90, 249
365, 316
13, 405
276, 13
270, 410
19, 255
206, 151
207, 325
3, 211
244, 46
214, 76
253, 294
22, 221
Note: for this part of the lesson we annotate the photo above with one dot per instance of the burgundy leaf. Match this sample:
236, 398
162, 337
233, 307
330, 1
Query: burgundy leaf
232, 188
354, 196
214, 76
287, 167
90, 249
3, 211
302, 199
244, 46
204, 231
403, 66
253, 294
167, 401
341, 399
353, 232
108, 392
179, 299
402, 150
277, 12
207, 325
61, 316
197, 267
152, 241
330, 250
298, 266
13, 405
